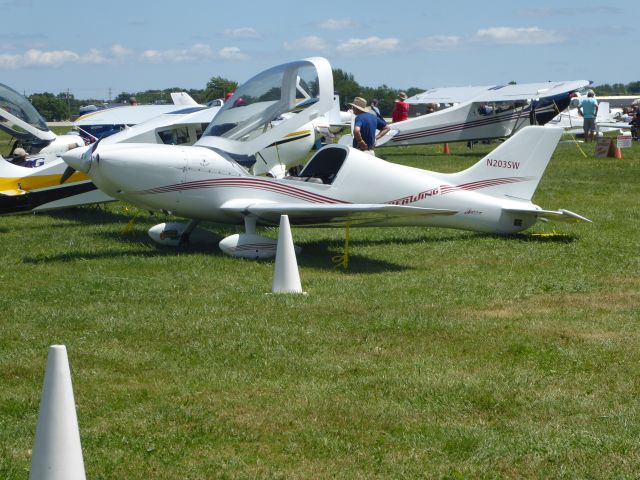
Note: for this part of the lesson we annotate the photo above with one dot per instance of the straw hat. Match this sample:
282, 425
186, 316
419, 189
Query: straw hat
402, 96
359, 103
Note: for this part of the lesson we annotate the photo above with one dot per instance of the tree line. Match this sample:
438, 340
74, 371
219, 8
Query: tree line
65, 106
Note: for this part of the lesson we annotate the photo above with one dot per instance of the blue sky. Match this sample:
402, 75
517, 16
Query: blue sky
91, 47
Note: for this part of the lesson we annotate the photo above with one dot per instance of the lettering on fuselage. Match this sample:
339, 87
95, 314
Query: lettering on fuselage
473, 212
502, 163
415, 198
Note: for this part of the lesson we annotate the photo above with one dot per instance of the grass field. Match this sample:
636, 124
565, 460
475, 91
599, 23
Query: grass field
438, 354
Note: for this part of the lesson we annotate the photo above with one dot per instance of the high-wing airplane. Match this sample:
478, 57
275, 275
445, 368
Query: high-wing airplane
339, 185
481, 113
37, 186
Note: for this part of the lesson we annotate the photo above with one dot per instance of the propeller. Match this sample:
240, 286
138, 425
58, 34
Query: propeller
66, 174
78, 160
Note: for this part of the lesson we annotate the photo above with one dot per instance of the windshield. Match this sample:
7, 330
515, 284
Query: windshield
266, 98
17, 106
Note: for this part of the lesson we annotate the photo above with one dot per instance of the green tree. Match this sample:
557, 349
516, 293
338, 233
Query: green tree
217, 87
633, 88
345, 86
52, 108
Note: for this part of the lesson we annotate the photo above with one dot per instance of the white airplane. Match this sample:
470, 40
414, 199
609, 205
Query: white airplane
37, 187
571, 121
339, 185
108, 121
481, 113
22, 122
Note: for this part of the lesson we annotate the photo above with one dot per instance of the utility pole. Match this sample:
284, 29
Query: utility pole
109, 94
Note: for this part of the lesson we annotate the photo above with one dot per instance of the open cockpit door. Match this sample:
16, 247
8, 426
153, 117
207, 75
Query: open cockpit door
20, 119
271, 105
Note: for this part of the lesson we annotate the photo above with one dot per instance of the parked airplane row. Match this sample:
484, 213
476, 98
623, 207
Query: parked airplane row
339, 185
226, 163
34, 184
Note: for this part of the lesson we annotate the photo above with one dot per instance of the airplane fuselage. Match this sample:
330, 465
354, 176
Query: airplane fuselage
197, 183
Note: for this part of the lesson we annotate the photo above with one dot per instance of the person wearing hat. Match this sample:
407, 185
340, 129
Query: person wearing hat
588, 110
400, 108
365, 126
19, 156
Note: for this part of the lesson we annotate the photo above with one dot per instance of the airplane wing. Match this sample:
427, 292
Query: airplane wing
561, 215
126, 115
448, 95
328, 214
497, 93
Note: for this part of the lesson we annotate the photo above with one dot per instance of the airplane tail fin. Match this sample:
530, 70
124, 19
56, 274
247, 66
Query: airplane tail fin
515, 168
182, 98
604, 112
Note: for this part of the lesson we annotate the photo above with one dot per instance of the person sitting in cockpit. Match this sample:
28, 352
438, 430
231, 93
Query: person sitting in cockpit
19, 156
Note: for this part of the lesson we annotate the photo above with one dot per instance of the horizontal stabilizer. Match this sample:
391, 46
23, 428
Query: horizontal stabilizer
561, 215
388, 136
355, 214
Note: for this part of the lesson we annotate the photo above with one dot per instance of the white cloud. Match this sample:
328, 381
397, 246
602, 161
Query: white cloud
93, 57
232, 53
312, 43
38, 58
441, 42
120, 52
242, 32
337, 24
116, 54
10, 62
196, 53
517, 36
368, 46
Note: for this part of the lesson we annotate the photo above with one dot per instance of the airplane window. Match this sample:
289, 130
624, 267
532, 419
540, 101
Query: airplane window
18, 106
325, 164
264, 99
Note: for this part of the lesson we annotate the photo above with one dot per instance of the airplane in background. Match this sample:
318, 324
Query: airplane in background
24, 124
339, 185
37, 186
572, 122
105, 122
481, 113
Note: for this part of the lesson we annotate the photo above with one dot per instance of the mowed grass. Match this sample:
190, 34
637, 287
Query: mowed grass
438, 354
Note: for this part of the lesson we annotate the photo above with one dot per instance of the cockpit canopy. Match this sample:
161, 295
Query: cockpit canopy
271, 105
19, 118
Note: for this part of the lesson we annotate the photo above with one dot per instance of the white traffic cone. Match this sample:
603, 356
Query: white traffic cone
286, 278
57, 454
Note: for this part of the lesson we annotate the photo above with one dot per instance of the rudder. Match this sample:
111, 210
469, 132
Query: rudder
514, 168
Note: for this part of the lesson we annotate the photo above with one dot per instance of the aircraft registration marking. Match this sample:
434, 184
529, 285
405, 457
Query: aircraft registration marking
503, 164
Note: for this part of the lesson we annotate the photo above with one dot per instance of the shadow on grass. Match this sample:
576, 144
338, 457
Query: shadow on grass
539, 237
320, 255
96, 214
151, 250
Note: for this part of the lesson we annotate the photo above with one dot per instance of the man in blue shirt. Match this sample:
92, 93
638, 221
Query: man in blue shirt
365, 126
588, 110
